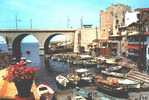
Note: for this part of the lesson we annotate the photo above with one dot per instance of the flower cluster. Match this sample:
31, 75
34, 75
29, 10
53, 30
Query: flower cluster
20, 71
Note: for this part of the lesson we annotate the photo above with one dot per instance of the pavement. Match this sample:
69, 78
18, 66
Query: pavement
8, 89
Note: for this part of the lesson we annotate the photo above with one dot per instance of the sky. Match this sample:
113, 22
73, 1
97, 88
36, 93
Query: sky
29, 39
32, 39
2, 40
52, 14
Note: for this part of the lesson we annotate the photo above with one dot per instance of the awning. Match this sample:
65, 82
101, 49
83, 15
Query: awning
134, 46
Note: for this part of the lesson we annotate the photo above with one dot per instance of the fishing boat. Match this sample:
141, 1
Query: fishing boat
89, 63
73, 79
62, 81
111, 87
78, 97
113, 68
130, 84
115, 74
85, 57
86, 77
43, 89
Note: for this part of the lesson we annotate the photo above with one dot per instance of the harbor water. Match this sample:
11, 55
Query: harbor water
48, 73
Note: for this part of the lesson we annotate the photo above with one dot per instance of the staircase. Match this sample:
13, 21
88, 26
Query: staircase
138, 76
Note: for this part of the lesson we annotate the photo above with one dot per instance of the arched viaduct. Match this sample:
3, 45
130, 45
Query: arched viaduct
14, 37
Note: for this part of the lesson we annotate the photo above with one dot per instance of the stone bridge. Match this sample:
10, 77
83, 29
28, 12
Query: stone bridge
14, 37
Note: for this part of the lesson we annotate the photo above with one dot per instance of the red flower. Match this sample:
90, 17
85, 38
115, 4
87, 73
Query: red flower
20, 71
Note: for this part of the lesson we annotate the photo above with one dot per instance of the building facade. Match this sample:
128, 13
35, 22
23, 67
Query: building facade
138, 38
110, 21
87, 35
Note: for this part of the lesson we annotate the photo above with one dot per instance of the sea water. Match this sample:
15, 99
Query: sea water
31, 52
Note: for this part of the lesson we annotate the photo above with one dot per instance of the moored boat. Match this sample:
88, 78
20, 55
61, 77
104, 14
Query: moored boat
115, 74
113, 68
110, 86
62, 81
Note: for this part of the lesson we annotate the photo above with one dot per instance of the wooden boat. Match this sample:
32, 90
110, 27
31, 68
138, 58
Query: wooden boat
84, 74
77, 62
78, 98
73, 77
114, 68
62, 80
44, 89
111, 61
111, 87
115, 74
85, 57
89, 63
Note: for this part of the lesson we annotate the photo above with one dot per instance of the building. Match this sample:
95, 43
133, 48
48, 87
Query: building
87, 35
137, 33
110, 21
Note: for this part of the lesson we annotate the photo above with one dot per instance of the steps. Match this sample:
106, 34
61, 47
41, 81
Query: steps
134, 75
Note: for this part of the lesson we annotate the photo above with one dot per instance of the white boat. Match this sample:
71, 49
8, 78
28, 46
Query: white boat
85, 75
81, 70
111, 61
127, 82
113, 74
85, 57
115, 68
78, 98
62, 80
44, 89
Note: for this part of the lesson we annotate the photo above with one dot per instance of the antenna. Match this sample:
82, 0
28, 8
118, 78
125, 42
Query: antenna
16, 22
31, 23
81, 21
96, 33
68, 22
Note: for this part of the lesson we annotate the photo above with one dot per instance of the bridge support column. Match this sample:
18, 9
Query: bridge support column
76, 42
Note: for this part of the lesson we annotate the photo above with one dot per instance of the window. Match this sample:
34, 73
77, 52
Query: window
117, 21
145, 39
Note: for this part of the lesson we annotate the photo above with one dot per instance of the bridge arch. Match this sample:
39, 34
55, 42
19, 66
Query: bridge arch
16, 45
46, 43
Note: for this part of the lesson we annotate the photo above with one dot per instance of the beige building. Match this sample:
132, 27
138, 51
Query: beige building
85, 36
110, 21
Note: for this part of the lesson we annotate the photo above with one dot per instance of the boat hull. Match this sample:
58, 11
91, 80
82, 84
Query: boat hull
112, 91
